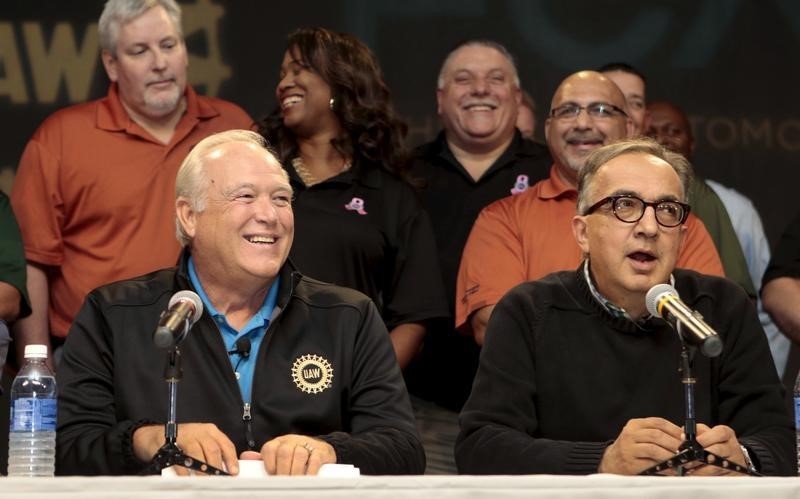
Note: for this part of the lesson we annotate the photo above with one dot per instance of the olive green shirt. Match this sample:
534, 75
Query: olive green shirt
709, 208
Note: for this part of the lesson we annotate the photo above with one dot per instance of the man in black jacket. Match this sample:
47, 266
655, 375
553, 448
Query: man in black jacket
320, 384
576, 376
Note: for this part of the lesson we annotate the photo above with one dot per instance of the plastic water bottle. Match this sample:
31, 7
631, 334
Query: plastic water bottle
32, 435
797, 419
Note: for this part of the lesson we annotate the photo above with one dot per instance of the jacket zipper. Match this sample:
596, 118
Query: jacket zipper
247, 418
248, 427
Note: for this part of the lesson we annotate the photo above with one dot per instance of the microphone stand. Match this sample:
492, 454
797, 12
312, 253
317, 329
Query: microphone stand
690, 450
170, 454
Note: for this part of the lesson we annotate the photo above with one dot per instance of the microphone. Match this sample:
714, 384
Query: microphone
242, 347
663, 301
185, 308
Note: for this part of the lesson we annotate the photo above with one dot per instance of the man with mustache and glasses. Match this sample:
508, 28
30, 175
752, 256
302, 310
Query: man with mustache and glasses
526, 237
576, 376
479, 157
95, 182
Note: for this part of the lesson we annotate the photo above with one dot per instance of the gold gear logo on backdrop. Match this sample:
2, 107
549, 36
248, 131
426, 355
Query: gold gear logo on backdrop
206, 71
312, 373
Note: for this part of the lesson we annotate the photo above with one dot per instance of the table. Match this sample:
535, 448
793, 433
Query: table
396, 487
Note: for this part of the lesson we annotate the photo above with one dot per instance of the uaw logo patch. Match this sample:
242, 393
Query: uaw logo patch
312, 373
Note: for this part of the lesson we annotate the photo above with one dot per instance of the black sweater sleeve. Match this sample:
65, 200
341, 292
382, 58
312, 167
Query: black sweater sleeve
500, 418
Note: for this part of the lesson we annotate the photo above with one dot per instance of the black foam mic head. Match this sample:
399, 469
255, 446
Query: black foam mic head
185, 308
243, 346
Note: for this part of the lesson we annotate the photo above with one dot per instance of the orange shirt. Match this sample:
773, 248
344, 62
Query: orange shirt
525, 237
95, 194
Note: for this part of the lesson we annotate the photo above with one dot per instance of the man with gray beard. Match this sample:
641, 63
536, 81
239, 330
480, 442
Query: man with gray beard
95, 182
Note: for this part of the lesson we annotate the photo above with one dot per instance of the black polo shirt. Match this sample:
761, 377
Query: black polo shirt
365, 229
785, 261
453, 201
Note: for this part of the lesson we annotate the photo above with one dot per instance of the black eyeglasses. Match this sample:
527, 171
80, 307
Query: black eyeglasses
630, 209
597, 110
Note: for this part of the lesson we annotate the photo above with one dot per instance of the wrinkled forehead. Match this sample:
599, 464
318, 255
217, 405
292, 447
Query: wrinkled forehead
227, 158
156, 13
639, 174
587, 90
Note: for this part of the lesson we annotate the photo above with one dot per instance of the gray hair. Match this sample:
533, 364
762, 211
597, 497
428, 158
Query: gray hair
119, 12
192, 180
641, 145
478, 43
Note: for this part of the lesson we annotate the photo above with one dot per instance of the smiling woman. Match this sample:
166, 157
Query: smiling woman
358, 222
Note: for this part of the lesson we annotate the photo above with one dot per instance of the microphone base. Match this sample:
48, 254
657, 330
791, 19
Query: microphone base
692, 452
171, 455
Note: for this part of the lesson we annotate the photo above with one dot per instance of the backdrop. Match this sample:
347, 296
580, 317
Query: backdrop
731, 64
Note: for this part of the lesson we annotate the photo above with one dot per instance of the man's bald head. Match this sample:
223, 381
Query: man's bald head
601, 120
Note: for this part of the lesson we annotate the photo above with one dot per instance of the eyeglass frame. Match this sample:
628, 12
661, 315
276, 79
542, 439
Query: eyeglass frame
580, 108
686, 208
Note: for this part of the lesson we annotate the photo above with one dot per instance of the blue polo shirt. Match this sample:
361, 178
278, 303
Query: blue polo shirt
255, 329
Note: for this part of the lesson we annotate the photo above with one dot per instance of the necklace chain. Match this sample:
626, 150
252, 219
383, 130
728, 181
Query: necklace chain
307, 176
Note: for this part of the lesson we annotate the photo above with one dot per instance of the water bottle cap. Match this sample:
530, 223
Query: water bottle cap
35, 351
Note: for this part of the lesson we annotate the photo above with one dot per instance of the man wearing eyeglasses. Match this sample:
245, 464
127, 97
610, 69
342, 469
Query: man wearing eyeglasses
525, 237
576, 377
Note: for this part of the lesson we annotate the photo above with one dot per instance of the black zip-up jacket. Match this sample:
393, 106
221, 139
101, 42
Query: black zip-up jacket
326, 368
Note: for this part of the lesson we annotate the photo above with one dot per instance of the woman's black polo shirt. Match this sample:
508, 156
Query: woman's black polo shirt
366, 229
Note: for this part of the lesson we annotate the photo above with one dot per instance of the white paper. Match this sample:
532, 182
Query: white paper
251, 468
